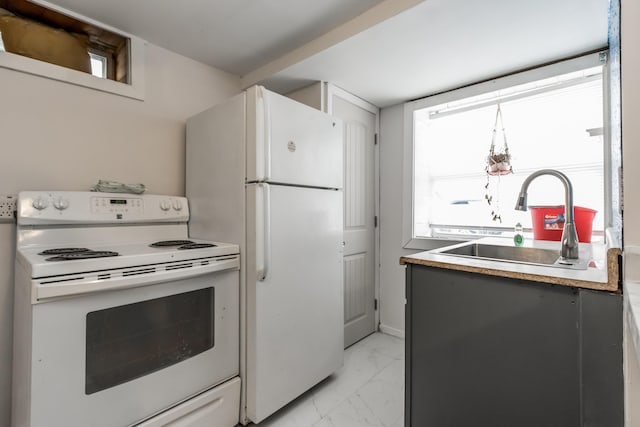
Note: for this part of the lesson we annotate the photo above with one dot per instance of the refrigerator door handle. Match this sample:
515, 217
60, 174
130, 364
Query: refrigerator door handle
265, 232
267, 134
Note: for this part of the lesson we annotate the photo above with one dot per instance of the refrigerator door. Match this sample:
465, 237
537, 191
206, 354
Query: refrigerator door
294, 293
291, 142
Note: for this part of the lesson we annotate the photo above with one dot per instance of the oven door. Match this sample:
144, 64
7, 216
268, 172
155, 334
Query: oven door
117, 357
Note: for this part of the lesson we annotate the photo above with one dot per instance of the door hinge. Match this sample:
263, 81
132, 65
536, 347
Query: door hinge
375, 221
375, 304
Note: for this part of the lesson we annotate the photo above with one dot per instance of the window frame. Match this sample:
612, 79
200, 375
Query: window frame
586, 61
135, 89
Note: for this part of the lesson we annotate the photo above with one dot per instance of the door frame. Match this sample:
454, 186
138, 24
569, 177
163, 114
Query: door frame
330, 90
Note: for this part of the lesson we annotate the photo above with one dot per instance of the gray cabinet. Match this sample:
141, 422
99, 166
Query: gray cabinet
492, 351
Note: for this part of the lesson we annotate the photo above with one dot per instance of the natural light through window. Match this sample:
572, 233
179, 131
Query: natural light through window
555, 123
98, 65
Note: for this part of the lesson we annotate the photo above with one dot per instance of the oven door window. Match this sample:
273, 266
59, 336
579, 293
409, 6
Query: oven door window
130, 341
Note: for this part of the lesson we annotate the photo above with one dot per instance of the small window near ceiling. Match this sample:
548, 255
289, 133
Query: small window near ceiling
98, 65
34, 31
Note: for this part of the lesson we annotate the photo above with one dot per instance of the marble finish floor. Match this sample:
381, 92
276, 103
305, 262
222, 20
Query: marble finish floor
367, 391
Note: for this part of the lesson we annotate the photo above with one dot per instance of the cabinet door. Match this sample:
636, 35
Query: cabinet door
485, 351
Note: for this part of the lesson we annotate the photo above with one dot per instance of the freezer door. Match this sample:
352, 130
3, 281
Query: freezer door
289, 142
294, 294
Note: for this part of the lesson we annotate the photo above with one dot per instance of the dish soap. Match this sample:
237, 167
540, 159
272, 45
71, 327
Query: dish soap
518, 237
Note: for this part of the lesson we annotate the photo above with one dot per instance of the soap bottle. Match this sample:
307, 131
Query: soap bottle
518, 236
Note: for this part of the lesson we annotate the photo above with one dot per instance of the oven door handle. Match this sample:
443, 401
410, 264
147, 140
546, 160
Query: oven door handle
45, 289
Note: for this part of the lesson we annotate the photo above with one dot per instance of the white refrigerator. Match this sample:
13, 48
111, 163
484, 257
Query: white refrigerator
266, 172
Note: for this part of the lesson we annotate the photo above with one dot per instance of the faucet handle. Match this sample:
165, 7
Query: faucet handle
569, 248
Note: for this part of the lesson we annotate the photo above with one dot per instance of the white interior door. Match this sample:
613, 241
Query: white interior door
359, 130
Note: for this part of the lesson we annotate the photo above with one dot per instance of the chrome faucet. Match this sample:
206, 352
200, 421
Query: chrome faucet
569, 249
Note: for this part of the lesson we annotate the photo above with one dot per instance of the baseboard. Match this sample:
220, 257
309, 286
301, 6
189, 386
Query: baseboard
391, 331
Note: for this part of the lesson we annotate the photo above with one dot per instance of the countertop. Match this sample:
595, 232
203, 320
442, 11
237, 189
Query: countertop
603, 273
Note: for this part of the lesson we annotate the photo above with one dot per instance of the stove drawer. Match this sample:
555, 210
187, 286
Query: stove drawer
218, 407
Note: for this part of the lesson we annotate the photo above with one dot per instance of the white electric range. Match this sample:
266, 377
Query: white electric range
120, 319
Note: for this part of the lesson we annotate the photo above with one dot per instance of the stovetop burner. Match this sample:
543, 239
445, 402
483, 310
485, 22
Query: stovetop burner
181, 244
82, 255
168, 243
197, 246
62, 251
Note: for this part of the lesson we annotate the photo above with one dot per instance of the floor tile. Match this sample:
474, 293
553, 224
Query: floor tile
368, 391
384, 393
361, 364
299, 413
352, 412
399, 422
385, 344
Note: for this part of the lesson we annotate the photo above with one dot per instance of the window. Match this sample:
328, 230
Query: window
98, 65
61, 41
553, 118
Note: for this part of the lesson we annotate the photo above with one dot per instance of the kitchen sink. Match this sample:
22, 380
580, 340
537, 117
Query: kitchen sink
521, 255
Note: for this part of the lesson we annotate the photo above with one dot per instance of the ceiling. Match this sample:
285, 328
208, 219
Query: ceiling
385, 51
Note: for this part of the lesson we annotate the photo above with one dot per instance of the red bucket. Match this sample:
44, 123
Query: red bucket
548, 222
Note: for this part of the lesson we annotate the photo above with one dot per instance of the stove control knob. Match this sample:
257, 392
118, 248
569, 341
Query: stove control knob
177, 205
165, 205
40, 203
61, 204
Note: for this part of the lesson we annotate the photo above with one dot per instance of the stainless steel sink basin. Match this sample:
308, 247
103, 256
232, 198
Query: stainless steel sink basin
521, 255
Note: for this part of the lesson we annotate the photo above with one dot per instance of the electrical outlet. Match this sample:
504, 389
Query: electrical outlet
8, 207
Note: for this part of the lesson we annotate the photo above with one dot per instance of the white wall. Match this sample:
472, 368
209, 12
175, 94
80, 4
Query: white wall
57, 136
392, 274
630, 58
392, 291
